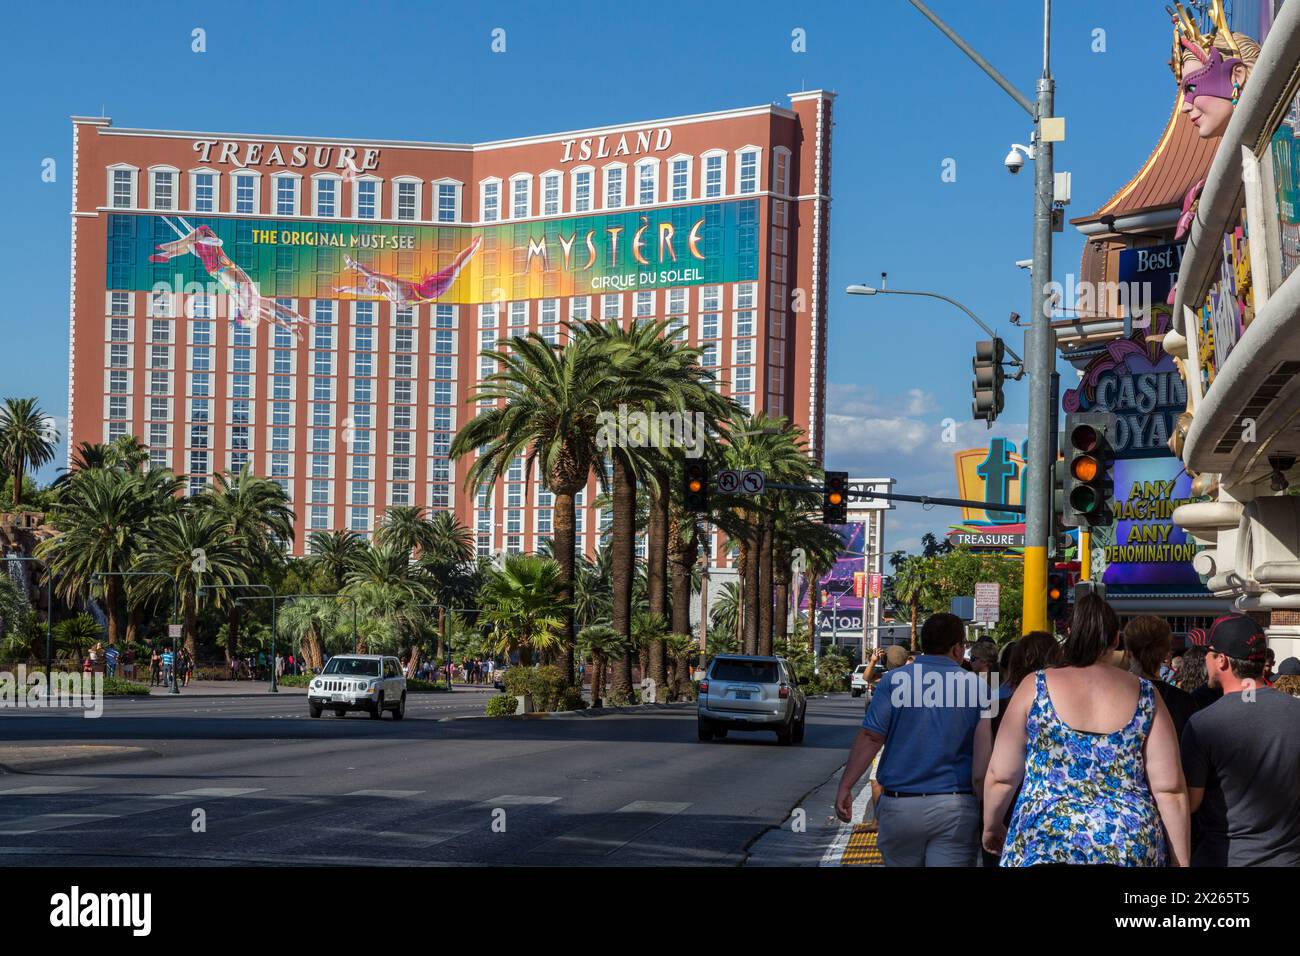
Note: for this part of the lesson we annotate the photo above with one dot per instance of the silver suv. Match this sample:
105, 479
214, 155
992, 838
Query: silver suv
368, 682
746, 692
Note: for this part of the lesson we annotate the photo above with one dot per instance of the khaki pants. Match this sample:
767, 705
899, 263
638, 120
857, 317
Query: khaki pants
943, 830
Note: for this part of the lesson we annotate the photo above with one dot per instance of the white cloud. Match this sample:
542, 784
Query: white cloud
902, 436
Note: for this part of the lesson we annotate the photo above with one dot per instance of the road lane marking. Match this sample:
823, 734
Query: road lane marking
38, 791
613, 831
391, 794
517, 800
217, 792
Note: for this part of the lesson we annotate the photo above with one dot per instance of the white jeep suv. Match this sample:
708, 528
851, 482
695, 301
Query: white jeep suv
368, 682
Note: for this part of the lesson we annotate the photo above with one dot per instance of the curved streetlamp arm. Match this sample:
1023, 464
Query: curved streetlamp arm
1019, 362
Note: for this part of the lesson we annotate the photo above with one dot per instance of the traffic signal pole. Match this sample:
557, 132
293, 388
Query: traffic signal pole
1040, 345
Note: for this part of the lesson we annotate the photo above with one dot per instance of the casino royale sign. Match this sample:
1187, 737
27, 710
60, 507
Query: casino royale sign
1146, 405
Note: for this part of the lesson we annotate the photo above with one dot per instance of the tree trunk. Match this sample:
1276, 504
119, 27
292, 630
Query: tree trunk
814, 606
681, 561
564, 538
657, 570
597, 677
781, 583
112, 597
914, 625
623, 568
191, 614
18, 481
315, 652
413, 661
750, 593
232, 632
133, 620
765, 586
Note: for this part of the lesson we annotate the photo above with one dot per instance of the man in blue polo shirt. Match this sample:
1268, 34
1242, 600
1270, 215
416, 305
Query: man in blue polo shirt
926, 715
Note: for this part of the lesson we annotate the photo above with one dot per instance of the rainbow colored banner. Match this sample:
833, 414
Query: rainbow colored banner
256, 259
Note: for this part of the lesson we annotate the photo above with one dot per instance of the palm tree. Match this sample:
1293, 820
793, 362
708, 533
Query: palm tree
75, 636
447, 559
523, 606
912, 586
601, 643
335, 552
821, 546
305, 623
192, 547
257, 515
549, 410
102, 516
27, 437
724, 620
404, 528
387, 587
680, 649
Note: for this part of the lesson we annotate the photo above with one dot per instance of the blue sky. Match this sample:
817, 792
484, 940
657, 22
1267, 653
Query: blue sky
908, 101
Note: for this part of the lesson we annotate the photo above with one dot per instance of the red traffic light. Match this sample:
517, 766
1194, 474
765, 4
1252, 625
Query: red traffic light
1084, 438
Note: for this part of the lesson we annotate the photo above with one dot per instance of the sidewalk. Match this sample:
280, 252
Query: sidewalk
223, 688
813, 836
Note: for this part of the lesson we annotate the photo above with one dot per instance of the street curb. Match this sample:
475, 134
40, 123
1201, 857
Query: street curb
36, 767
588, 712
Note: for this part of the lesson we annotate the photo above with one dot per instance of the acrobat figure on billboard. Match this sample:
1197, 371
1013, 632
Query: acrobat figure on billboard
248, 304
404, 292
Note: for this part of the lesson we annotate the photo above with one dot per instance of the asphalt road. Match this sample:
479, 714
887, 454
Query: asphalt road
272, 786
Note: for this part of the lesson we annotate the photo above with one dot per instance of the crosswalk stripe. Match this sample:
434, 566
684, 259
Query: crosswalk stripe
517, 800
37, 791
391, 794
607, 834
217, 792
653, 806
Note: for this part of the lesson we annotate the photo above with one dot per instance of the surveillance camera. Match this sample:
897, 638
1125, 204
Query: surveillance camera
1025, 263
1014, 161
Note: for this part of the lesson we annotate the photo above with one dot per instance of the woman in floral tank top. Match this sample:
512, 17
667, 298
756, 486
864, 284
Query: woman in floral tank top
1090, 794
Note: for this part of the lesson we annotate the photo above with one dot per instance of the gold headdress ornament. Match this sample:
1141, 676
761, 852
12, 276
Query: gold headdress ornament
1188, 34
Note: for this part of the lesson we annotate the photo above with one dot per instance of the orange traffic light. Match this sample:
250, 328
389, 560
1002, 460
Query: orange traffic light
1085, 468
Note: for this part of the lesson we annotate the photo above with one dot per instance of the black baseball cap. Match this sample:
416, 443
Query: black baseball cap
1239, 637
1289, 667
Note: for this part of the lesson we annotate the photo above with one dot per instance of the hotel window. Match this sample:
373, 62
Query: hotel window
745, 294
117, 406
367, 199
205, 190
491, 200
709, 326
582, 190
118, 382
448, 194
518, 317
647, 183
160, 331
286, 195
282, 387
744, 323
281, 413
164, 189
320, 517
714, 174
406, 202
614, 186
327, 194
245, 194
710, 298
548, 320
158, 436
680, 171
747, 171
118, 356
781, 170
580, 308
744, 352
119, 330
645, 304
709, 355
160, 304
123, 192
521, 197
611, 306
159, 383
119, 303
551, 194
677, 302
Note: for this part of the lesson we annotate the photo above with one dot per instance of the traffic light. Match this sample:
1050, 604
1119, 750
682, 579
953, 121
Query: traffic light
835, 498
1058, 595
695, 485
1089, 489
987, 387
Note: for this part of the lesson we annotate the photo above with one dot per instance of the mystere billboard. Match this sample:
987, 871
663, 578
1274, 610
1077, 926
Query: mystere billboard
260, 259
837, 584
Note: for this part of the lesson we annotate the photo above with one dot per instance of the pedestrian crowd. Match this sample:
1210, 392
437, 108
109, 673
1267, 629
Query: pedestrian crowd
1106, 747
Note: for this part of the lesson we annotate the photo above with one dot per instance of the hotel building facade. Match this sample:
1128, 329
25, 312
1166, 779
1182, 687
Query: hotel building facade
316, 308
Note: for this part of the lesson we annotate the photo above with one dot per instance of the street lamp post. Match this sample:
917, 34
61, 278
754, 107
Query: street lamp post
49, 609
275, 687
176, 687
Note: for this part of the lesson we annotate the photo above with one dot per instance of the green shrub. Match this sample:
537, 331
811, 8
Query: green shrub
545, 685
294, 680
117, 687
617, 699
571, 699
502, 705
417, 686
518, 681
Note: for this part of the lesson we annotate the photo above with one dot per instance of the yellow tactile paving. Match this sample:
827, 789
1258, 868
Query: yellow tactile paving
861, 849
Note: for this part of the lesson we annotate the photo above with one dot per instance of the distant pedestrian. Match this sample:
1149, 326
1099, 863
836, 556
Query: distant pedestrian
928, 812
1241, 755
1288, 677
155, 668
1098, 757
1149, 642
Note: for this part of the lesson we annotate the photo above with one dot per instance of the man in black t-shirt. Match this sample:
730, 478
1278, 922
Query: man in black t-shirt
1241, 756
